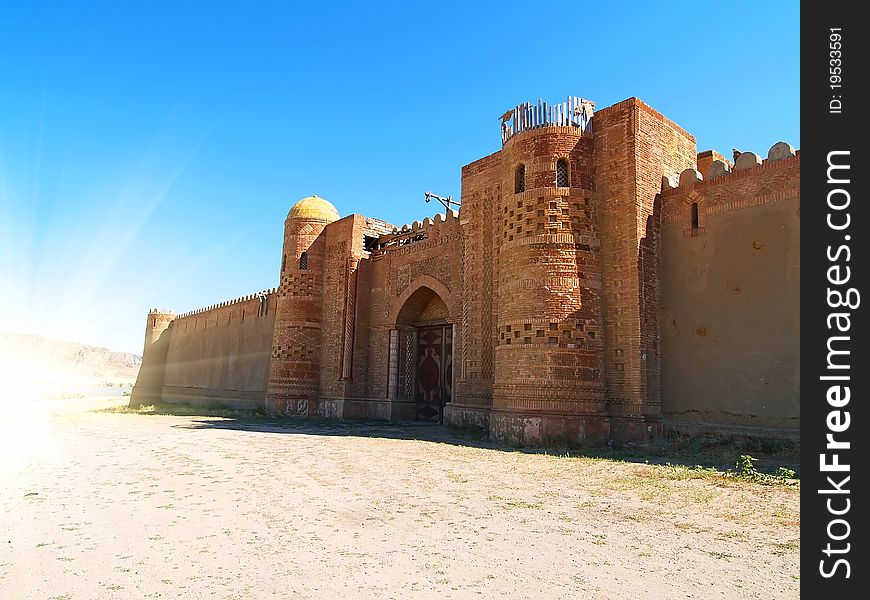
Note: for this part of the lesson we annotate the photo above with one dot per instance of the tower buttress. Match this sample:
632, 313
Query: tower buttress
634, 147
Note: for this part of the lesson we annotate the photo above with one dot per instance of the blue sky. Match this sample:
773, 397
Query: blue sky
149, 151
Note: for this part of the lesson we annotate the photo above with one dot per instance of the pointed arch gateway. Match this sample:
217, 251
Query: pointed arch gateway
421, 356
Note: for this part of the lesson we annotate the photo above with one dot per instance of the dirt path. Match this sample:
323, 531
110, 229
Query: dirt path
99, 505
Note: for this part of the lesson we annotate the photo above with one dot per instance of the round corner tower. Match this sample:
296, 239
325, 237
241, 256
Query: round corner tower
149, 382
294, 369
549, 381
158, 322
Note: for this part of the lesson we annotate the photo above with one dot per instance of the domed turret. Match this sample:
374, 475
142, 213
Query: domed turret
314, 208
294, 370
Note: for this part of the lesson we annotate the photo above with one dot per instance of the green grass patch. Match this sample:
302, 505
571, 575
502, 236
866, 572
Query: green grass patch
693, 458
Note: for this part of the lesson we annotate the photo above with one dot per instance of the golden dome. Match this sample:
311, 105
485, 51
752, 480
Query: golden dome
313, 207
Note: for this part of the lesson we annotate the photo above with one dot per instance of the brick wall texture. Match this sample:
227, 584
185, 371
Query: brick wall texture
584, 313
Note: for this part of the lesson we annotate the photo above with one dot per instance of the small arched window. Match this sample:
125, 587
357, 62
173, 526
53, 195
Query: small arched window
562, 173
520, 179
303, 262
695, 221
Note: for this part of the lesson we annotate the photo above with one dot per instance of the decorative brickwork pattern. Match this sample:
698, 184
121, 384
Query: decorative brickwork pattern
625, 284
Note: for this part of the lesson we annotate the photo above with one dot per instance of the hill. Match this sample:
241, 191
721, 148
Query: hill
32, 365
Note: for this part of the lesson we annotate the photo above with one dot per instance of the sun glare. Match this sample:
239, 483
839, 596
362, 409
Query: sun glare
25, 432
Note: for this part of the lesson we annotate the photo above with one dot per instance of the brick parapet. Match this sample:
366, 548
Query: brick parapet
419, 234
769, 182
530, 135
267, 293
668, 189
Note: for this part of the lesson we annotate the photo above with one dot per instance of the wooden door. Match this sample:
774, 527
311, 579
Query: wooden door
434, 371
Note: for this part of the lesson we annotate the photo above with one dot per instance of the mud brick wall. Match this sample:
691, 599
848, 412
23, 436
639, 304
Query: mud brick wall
215, 356
730, 308
149, 381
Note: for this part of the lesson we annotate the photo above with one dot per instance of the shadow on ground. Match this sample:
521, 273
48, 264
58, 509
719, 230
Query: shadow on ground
721, 454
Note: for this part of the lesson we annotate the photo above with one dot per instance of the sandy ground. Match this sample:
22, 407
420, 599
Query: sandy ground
100, 505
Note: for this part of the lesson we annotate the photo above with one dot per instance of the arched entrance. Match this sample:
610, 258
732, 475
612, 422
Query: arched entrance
423, 361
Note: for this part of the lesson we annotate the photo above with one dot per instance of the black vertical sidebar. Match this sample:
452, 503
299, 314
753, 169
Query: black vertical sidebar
834, 370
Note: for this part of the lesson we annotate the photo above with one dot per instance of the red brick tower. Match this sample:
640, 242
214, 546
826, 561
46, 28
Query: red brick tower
549, 380
634, 147
294, 369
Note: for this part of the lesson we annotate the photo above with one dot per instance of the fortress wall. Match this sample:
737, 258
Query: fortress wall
730, 303
149, 381
220, 355
362, 336
481, 194
597, 311
361, 383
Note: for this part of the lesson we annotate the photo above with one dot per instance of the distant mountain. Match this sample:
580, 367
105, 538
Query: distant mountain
39, 365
